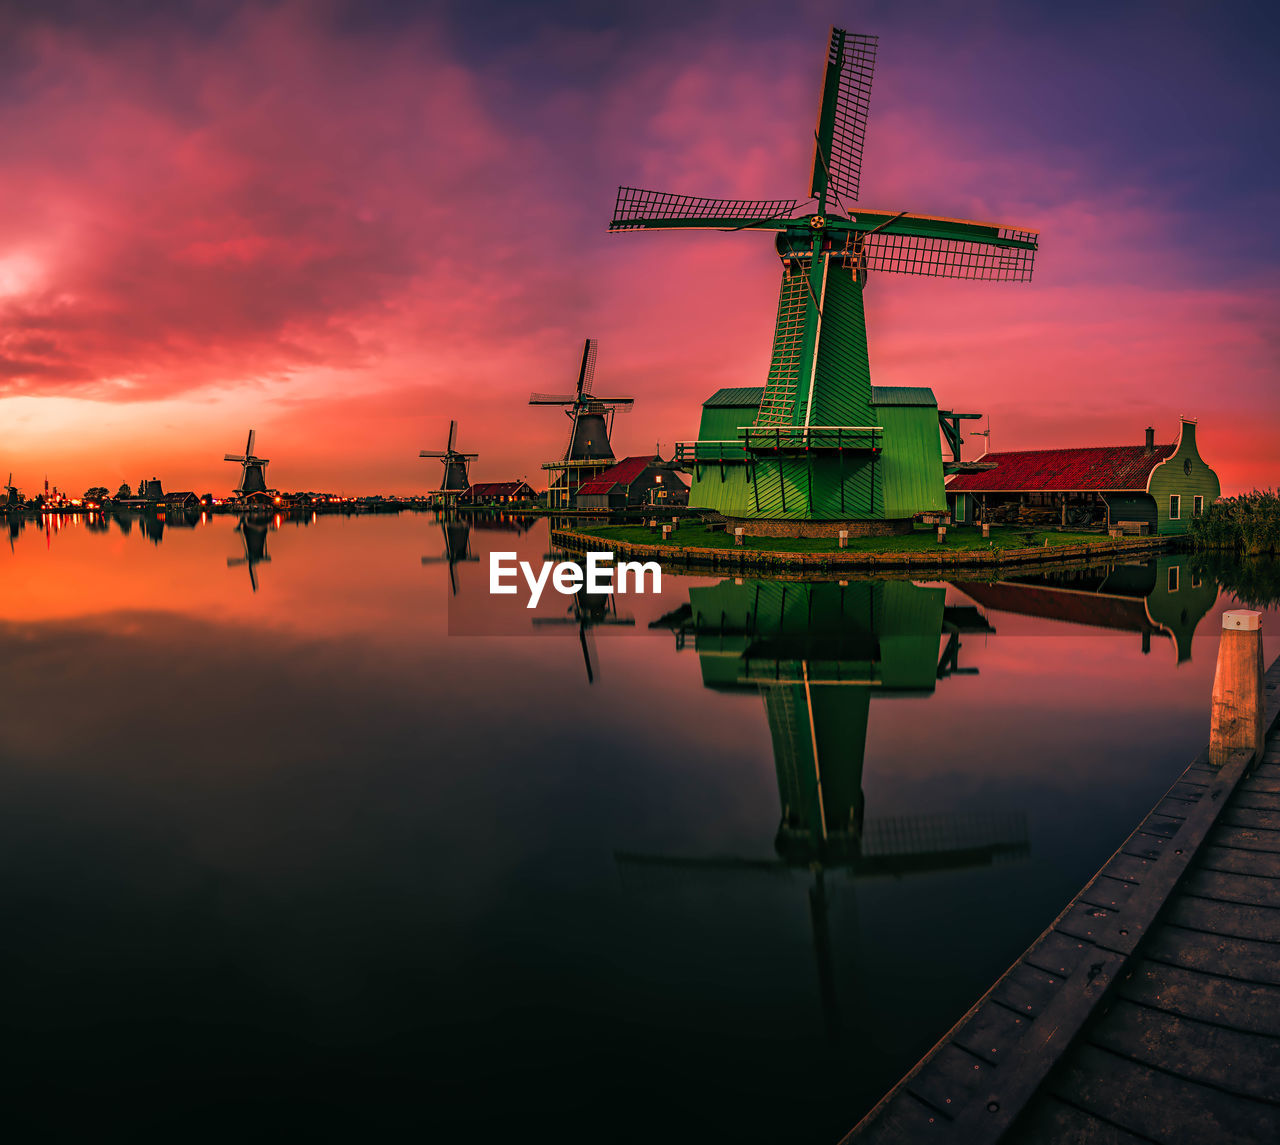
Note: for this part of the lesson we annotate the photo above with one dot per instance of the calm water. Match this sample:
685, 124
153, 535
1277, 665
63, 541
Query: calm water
279, 855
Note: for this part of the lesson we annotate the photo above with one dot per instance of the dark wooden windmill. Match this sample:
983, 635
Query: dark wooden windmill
254, 536
253, 471
9, 495
455, 481
591, 422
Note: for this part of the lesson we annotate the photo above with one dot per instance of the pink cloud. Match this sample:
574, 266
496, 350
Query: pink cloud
348, 240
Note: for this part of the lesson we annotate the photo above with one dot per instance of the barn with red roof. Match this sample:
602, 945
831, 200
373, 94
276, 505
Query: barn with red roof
1160, 486
633, 481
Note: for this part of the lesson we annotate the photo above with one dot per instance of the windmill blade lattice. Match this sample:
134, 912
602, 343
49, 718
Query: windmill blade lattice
637, 208
587, 372
935, 257
842, 116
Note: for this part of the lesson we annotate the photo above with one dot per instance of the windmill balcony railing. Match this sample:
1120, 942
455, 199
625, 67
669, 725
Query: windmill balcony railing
688, 452
806, 438
756, 440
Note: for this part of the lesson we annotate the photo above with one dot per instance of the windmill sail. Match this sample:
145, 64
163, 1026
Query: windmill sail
842, 116
587, 372
637, 209
979, 251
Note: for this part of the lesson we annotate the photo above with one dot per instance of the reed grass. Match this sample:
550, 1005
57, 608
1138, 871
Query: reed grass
1247, 524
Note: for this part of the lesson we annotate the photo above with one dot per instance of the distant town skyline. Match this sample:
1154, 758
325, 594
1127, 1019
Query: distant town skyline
346, 225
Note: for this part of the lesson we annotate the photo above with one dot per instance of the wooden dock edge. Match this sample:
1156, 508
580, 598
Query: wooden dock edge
1000, 1052
769, 560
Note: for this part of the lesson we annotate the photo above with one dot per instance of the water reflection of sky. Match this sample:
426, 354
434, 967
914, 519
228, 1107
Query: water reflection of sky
297, 855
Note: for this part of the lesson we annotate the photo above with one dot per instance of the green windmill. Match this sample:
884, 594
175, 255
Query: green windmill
818, 446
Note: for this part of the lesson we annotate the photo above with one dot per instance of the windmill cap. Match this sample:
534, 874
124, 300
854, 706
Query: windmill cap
1242, 619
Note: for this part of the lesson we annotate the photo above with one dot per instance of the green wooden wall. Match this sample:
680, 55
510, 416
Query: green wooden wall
1171, 478
911, 464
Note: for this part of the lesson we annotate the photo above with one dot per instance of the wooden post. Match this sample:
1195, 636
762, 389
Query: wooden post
1237, 708
666, 532
737, 535
675, 521
653, 526
942, 534
986, 530
844, 538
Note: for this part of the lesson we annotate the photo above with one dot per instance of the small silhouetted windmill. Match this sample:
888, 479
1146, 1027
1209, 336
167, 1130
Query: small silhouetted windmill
253, 472
455, 481
457, 548
10, 493
591, 423
254, 536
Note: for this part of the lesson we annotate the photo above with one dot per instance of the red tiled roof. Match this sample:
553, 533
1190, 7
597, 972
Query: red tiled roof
625, 472
1064, 470
496, 488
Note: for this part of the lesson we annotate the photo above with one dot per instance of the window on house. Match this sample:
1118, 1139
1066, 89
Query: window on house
1197, 506
1173, 577
1175, 507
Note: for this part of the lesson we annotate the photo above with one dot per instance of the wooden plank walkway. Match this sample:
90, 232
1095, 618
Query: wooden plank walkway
1150, 1010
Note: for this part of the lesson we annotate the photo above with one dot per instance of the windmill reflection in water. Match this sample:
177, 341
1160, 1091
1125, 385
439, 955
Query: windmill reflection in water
253, 534
586, 610
817, 653
457, 546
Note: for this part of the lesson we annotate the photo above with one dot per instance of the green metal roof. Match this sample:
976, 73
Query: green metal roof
902, 396
741, 396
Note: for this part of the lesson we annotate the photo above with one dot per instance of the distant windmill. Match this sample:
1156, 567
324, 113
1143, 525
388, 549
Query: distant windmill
591, 417
455, 481
10, 493
254, 536
253, 475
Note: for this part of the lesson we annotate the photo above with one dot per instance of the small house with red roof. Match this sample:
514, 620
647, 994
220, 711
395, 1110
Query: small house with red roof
499, 492
1160, 486
633, 481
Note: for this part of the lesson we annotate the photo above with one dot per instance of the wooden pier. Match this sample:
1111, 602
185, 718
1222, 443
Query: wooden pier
1149, 1011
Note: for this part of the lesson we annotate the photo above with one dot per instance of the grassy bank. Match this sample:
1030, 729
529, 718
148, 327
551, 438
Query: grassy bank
959, 538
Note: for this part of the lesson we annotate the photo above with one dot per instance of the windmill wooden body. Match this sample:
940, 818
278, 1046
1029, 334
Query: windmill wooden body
818, 448
253, 470
589, 450
454, 481
9, 495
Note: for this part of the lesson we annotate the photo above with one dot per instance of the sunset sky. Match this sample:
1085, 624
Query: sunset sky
344, 224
